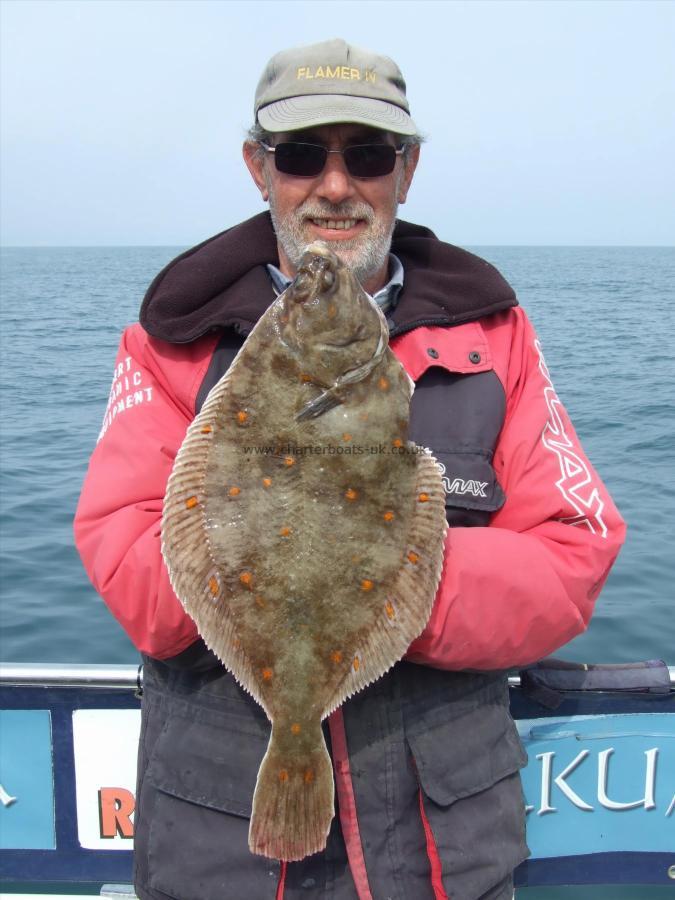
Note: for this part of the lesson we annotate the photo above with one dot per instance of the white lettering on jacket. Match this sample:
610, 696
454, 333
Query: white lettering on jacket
459, 485
127, 390
575, 483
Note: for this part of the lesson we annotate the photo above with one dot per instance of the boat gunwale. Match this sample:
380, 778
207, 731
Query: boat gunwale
121, 677
69, 675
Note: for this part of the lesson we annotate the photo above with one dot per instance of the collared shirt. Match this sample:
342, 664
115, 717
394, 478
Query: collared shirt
386, 298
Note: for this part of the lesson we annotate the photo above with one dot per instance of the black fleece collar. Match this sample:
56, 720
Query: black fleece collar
223, 283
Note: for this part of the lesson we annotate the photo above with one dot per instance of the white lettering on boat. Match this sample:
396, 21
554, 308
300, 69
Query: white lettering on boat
647, 801
5, 798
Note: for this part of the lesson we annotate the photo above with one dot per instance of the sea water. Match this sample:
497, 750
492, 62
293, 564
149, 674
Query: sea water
605, 317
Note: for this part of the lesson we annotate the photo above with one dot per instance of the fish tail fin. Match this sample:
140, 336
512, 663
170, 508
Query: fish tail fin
293, 804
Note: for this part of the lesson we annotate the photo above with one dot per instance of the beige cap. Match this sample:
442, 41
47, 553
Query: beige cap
329, 83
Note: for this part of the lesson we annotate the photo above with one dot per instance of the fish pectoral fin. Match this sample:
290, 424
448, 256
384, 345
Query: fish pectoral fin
320, 405
293, 804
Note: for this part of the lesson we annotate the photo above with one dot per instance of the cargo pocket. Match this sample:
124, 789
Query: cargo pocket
202, 776
473, 801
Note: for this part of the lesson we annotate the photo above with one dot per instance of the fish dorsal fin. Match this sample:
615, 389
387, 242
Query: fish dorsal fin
195, 576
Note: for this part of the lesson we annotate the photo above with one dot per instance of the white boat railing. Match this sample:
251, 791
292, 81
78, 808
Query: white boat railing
108, 677
113, 677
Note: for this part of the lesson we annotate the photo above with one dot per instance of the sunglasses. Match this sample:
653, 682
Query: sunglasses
308, 160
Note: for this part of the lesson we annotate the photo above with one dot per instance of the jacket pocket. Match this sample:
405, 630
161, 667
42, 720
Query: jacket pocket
459, 417
200, 784
467, 754
472, 796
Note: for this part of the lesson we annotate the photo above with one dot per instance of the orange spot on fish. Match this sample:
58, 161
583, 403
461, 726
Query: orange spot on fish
356, 664
363, 416
388, 516
214, 587
331, 311
260, 601
367, 584
397, 442
305, 377
389, 609
234, 491
346, 436
246, 578
283, 776
413, 557
383, 384
285, 531
267, 482
236, 643
296, 728
207, 429
351, 494
308, 777
336, 656
191, 502
242, 416
424, 498
289, 461
267, 674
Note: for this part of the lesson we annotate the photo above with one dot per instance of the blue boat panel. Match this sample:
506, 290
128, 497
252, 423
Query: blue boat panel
599, 784
27, 780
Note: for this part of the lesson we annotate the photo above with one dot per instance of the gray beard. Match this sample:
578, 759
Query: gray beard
365, 255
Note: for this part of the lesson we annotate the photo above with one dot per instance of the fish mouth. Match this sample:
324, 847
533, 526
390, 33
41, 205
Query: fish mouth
317, 273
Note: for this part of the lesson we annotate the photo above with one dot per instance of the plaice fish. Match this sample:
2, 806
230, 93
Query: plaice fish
304, 533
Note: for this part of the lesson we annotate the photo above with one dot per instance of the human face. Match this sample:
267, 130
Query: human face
354, 216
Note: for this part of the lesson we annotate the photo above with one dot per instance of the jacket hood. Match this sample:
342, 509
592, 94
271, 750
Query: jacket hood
223, 282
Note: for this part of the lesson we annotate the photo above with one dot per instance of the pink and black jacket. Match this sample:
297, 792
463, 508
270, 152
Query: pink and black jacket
426, 760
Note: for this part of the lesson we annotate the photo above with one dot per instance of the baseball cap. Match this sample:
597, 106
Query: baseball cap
330, 83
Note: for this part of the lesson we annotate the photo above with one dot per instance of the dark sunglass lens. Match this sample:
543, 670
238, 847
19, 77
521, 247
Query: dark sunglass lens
293, 158
370, 160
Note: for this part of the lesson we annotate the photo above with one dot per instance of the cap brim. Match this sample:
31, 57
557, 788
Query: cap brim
310, 111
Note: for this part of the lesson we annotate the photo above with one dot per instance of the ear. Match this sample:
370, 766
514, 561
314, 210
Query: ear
409, 166
255, 162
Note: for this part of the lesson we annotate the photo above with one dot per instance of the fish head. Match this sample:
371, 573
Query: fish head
327, 320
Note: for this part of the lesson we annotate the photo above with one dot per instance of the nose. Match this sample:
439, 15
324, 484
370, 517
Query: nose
335, 183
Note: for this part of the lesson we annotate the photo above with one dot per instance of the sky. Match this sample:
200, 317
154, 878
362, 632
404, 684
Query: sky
547, 121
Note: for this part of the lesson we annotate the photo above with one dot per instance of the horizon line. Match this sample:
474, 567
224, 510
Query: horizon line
189, 246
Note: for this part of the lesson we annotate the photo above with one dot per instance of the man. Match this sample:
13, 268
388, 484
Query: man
426, 760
